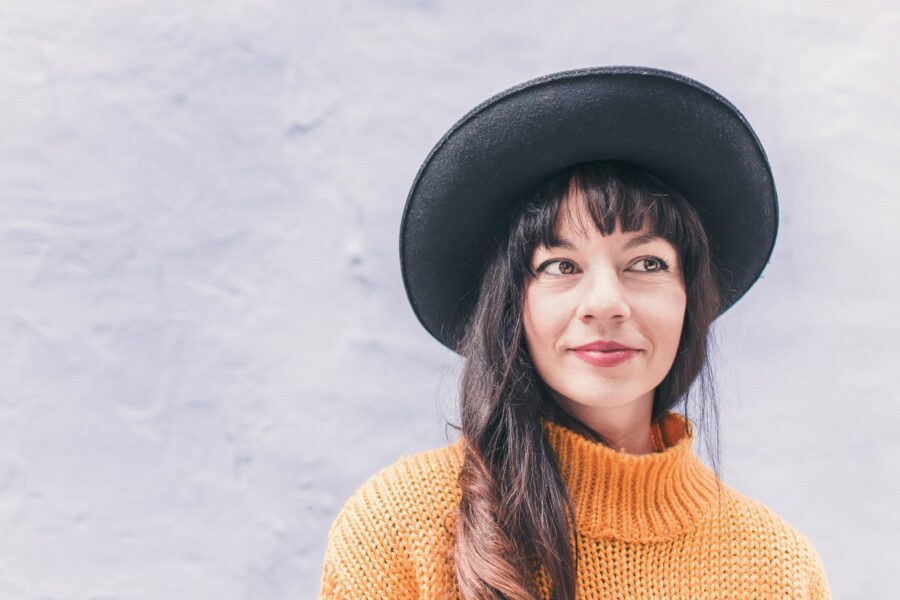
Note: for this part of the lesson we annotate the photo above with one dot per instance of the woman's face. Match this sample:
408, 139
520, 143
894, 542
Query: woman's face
622, 288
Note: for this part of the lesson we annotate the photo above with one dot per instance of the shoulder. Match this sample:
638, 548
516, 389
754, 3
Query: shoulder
764, 535
412, 487
750, 516
399, 510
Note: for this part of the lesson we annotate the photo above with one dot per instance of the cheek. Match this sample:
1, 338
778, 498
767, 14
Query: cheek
544, 322
665, 317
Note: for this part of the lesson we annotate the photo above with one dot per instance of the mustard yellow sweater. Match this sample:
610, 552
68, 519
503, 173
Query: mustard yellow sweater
649, 526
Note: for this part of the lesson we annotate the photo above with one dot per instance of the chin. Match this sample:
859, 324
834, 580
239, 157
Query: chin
594, 399
602, 396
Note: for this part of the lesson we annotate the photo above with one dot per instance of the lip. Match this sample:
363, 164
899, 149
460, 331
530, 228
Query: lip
604, 346
607, 358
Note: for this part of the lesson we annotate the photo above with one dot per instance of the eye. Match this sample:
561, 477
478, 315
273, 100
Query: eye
656, 264
566, 267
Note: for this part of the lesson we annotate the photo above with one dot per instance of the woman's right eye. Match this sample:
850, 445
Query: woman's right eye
565, 267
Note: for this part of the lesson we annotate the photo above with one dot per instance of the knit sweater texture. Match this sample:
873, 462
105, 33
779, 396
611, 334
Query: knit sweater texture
648, 526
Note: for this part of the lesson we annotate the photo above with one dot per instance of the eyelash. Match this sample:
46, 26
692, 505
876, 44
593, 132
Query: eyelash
664, 266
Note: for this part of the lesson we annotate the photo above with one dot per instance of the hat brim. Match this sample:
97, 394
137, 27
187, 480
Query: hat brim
673, 126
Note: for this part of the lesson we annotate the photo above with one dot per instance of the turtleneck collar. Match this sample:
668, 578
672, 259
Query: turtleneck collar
647, 497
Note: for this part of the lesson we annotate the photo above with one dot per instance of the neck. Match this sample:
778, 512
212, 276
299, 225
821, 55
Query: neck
626, 427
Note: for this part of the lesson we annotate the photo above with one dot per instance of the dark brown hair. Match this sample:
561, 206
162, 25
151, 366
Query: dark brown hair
515, 513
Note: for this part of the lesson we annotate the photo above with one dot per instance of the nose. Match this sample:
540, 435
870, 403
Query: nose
603, 297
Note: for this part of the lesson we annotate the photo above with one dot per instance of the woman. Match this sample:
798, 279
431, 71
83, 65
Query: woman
573, 239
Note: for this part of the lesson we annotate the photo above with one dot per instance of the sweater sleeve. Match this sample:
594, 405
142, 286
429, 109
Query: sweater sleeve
366, 555
818, 581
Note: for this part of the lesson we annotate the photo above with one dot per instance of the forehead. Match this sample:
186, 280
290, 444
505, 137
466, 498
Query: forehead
574, 221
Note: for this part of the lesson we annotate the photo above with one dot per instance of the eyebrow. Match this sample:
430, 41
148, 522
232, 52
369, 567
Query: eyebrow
638, 240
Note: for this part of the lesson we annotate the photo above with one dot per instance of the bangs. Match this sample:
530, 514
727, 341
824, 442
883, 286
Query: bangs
613, 193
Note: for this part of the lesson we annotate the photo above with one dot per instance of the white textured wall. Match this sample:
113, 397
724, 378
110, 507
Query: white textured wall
206, 346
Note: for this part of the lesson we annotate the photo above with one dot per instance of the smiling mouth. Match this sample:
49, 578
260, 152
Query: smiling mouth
606, 358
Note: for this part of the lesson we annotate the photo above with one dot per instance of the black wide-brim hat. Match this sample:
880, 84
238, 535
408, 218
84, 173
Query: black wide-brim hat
678, 129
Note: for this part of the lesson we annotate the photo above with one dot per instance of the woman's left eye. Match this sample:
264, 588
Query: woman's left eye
657, 264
